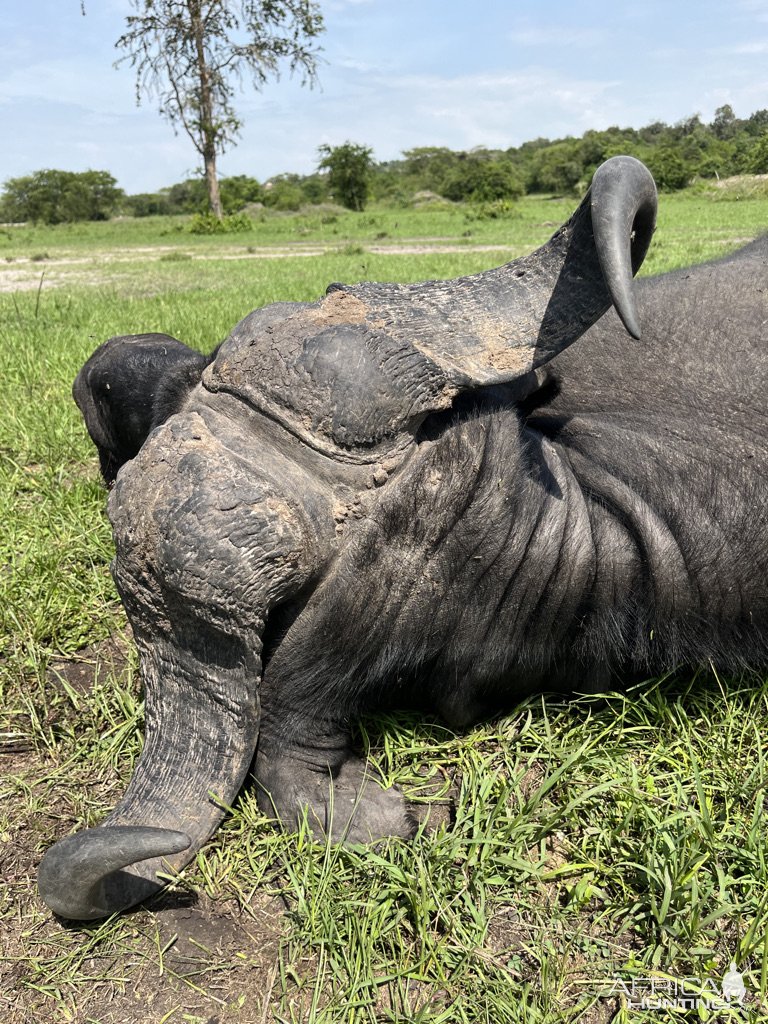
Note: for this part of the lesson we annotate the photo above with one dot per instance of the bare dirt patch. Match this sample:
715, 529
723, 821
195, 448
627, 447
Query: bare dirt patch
193, 961
90, 665
182, 957
25, 273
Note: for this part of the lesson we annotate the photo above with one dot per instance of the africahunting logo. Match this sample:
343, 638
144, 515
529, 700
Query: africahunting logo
668, 993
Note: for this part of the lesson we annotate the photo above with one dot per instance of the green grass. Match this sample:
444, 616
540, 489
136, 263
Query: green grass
691, 222
611, 837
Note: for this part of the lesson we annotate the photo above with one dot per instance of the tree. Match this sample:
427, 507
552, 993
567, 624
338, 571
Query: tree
189, 196
725, 124
238, 191
428, 168
556, 168
758, 157
56, 197
483, 180
190, 54
669, 169
757, 123
314, 188
283, 192
349, 173
147, 204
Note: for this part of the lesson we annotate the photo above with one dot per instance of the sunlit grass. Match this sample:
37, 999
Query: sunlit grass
686, 221
608, 837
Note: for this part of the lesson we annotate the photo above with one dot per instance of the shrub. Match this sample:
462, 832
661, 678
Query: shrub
758, 162
497, 209
208, 224
190, 196
557, 168
284, 193
483, 181
238, 191
349, 173
669, 169
57, 197
147, 204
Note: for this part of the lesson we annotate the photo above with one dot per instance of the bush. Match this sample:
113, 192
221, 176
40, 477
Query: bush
669, 169
208, 224
349, 173
758, 162
557, 168
147, 204
314, 189
57, 197
284, 193
237, 192
483, 181
190, 196
497, 209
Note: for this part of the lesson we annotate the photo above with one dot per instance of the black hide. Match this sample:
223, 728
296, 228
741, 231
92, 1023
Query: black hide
130, 385
344, 514
612, 525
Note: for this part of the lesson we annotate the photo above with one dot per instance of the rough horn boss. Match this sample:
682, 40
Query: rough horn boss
347, 506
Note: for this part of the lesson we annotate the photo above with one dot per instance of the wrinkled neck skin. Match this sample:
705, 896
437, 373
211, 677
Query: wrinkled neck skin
599, 521
501, 560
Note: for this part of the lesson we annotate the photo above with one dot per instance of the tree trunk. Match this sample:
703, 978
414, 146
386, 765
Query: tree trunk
207, 128
212, 182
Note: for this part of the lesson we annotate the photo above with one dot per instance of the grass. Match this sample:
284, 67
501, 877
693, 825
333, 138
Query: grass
570, 845
690, 222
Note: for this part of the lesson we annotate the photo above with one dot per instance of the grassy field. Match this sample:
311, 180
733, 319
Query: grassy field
570, 847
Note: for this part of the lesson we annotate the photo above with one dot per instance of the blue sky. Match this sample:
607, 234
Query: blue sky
396, 74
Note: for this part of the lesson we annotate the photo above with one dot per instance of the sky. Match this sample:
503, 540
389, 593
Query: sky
395, 74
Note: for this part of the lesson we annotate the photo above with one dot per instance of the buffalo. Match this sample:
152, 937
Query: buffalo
427, 496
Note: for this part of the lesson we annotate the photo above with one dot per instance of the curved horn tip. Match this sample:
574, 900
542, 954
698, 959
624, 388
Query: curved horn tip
623, 206
630, 322
74, 873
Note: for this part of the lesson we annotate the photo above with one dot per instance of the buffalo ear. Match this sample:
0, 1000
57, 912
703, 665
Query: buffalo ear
130, 385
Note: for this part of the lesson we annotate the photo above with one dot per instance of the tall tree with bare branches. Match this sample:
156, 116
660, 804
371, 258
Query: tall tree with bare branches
191, 54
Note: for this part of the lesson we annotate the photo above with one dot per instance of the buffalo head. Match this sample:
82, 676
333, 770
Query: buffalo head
269, 486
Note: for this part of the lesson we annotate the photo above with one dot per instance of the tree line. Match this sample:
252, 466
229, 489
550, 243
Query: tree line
347, 174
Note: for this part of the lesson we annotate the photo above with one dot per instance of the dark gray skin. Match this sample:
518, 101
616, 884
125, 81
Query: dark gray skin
130, 385
421, 495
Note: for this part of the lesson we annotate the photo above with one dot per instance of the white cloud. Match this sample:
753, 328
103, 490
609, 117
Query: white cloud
398, 74
394, 113
63, 81
502, 109
555, 35
336, 6
759, 46
352, 64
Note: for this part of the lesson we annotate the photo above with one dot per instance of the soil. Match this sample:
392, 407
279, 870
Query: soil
24, 273
216, 965
182, 957
85, 670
